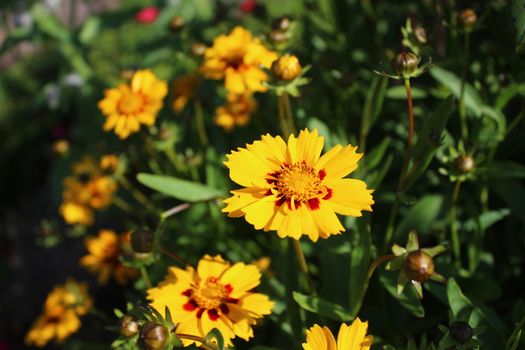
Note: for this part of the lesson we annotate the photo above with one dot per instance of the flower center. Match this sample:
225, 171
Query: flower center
210, 294
130, 103
235, 59
299, 181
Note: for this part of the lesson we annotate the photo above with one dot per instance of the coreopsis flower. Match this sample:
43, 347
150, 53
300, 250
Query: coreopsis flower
236, 112
103, 258
350, 337
215, 295
87, 190
109, 162
287, 67
238, 58
291, 189
128, 106
183, 89
62, 308
56, 324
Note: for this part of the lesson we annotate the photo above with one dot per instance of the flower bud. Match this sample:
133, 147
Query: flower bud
129, 326
282, 23
405, 63
142, 240
286, 67
418, 266
465, 164
461, 332
467, 19
177, 23
153, 336
198, 49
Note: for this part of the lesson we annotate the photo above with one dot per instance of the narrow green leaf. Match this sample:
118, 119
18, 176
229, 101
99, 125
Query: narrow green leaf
360, 258
399, 93
178, 188
518, 12
216, 335
506, 170
374, 157
373, 103
472, 99
422, 216
322, 307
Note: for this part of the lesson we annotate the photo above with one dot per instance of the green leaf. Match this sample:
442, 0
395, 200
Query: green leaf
373, 103
518, 12
479, 314
422, 216
374, 157
472, 99
216, 335
90, 30
428, 138
408, 298
485, 220
48, 23
178, 188
322, 307
512, 193
506, 170
360, 257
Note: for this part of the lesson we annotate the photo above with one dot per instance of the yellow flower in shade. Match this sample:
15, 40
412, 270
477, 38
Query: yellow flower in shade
238, 58
103, 258
183, 89
128, 106
109, 162
236, 112
290, 188
351, 337
215, 295
86, 190
71, 296
56, 324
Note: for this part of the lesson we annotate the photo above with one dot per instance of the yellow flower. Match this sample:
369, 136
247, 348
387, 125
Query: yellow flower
351, 337
74, 213
236, 112
287, 67
103, 258
128, 106
238, 58
109, 162
56, 324
71, 296
183, 89
215, 295
289, 188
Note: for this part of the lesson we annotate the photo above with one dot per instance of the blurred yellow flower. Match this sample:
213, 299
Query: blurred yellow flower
128, 106
84, 191
351, 337
238, 58
183, 89
109, 162
103, 258
287, 67
236, 112
56, 324
62, 308
289, 188
215, 295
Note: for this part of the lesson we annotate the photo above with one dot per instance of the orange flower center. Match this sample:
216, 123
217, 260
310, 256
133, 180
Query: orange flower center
130, 103
210, 294
299, 181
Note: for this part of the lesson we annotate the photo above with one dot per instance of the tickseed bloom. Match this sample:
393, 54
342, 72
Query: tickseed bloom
109, 162
289, 188
236, 112
238, 58
287, 67
85, 191
215, 295
183, 90
128, 106
62, 308
350, 337
103, 258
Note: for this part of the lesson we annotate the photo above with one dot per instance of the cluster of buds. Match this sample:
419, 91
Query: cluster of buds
416, 264
414, 36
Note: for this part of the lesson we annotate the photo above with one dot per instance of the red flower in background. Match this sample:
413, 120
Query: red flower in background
147, 15
248, 6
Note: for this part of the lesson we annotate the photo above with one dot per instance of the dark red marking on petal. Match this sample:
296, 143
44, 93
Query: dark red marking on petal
200, 312
322, 174
314, 203
224, 309
280, 201
329, 193
228, 288
187, 293
268, 193
190, 305
232, 300
213, 314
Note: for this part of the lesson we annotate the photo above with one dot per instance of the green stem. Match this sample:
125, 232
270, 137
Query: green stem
202, 341
172, 211
139, 196
200, 123
122, 204
174, 256
303, 266
462, 107
145, 275
454, 237
172, 156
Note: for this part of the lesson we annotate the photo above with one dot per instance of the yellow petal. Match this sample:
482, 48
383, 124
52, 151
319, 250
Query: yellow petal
211, 267
338, 162
350, 197
353, 337
242, 278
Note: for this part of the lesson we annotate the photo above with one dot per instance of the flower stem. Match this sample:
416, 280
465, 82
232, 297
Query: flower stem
145, 275
462, 109
174, 256
302, 264
139, 196
286, 119
202, 341
172, 211
122, 204
201, 125
453, 225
